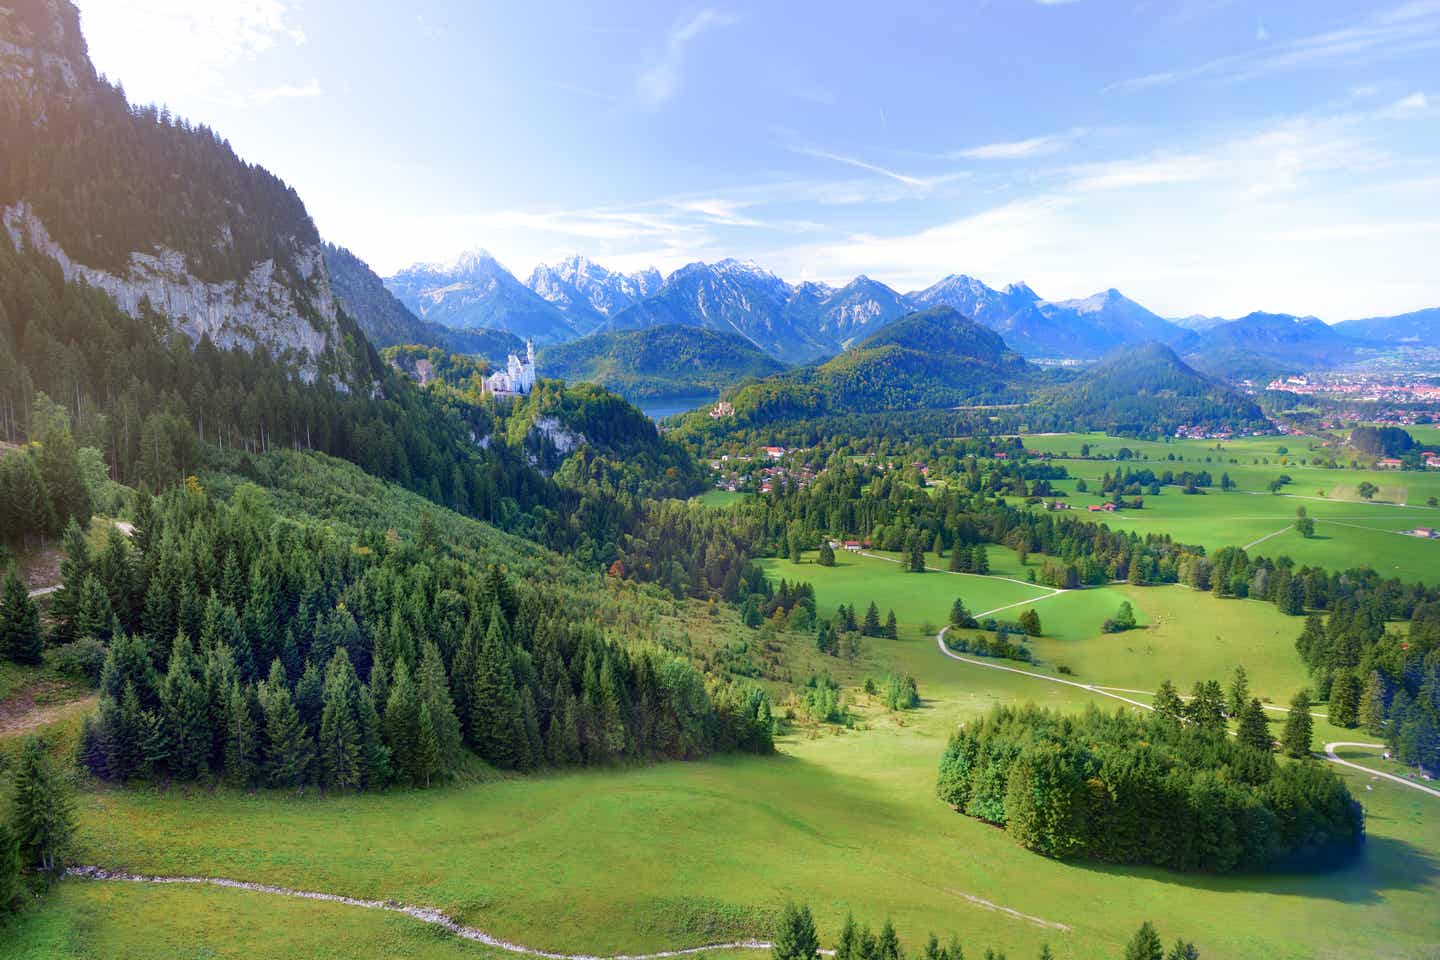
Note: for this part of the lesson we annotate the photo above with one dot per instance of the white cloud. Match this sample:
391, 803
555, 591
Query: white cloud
659, 82
1409, 28
1261, 34
161, 49
1416, 103
923, 184
1015, 149
287, 91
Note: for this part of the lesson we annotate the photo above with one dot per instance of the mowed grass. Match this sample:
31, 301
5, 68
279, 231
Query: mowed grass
720, 498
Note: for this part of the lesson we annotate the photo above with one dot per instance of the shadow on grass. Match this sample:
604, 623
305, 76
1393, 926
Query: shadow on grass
1384, 865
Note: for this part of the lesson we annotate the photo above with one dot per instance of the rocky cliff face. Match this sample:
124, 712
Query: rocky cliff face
261, 308
159, 214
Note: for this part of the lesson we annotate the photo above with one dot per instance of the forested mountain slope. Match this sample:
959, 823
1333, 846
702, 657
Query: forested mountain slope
664, 361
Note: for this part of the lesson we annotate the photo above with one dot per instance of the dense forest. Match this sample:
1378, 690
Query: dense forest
235, 643
664, 361
1126, 788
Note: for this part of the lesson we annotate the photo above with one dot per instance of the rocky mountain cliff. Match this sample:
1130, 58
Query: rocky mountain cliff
160, 214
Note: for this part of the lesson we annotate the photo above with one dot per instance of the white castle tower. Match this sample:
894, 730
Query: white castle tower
518, 375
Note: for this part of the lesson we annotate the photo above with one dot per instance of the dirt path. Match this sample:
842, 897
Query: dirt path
20, 713
423, 914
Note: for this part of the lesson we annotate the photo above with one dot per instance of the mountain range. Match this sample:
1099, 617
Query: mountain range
808, 321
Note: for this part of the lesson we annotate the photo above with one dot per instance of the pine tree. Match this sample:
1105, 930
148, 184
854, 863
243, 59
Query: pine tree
340, 745
188, 711
1145, 945
827, 554
959, 558
980, 559
887, 947
42, 818
1168, 705
960, 614
1372, 704
93, 616
1239, 693
917, 554
1183, 951
892, 629
59, 468
530, 723
496, 703
1299, 727
291, 749
435, 695
871, 627
795, 937
20, 639
74, 571
1254, 728
241, 740
11, 889
1030, 622
427, 763
1345, 699
848, 946
402, 725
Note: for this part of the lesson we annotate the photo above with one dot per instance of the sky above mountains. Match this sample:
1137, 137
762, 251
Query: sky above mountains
1205, 156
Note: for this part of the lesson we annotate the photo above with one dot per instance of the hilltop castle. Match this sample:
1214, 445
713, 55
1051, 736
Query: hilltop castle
518, 377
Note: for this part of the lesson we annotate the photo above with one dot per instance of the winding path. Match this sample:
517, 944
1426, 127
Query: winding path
423, 914
1110, 692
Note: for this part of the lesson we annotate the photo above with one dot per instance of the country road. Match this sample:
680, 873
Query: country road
1330, 755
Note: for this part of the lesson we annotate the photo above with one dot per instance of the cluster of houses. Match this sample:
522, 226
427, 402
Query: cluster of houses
734, 473
1424, 533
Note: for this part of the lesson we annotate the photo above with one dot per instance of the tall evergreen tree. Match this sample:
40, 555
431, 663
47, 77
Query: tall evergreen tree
65, 603
20, 639
402, 725
1345, 693
435, 695
1239, 694
340, 745
1168, 705
1372, 704
1254, 728
795, 937
242, 748
496, 703
186, 712
1299, 727
374, 754
43, 817
871, 627
1145, 944
291, 749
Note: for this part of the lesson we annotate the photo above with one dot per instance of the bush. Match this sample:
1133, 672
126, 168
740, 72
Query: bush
81, 660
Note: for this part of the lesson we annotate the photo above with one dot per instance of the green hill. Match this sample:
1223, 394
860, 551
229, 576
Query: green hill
665, 361
929, 360
1146, 390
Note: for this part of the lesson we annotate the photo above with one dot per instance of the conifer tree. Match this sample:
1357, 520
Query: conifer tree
93, 616
1183, 951
402, 725
959, 558
1372, 704
1145, 945
374, 755
74, 570
291, 749
340, 744
1168, 705
872, 621
496, 704
242, 748
435, 695
826, 557
310, 697
795, 937
530, 723
1254, 728
887, 947
1030, 622
980, 559
1345, 699
960, 614
1299, 727
848, 946
892, 629
43, 818
917, 554
427, 748
20, 639
11, 889
186, 712
59, 468
1239, 694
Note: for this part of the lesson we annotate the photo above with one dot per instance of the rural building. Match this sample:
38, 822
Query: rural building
1387, 463
774, 453
852, 545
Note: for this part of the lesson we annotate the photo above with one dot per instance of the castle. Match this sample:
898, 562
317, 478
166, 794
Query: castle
518, 377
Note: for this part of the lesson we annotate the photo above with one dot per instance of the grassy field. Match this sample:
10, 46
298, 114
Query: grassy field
720, 498
1349, 530
684, 854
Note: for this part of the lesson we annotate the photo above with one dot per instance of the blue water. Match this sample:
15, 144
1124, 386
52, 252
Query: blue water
662, 407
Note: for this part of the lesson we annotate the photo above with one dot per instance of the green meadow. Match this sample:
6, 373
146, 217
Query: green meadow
1349, 530
684, 854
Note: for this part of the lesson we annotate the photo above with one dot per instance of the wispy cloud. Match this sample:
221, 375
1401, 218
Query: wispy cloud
717, 210
1406, 107
1015, 149
909, 180
659, 82
287, 91
1405, 29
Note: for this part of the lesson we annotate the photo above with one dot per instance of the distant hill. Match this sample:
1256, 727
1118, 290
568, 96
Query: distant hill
927, 360
476, 291
1420, 328
387, 322
1145, 390
1263, 344
655, 362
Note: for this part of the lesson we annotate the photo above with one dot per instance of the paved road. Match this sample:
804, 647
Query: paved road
1330, 755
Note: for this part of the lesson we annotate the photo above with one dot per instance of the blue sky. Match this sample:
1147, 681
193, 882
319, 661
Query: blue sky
1204, 156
